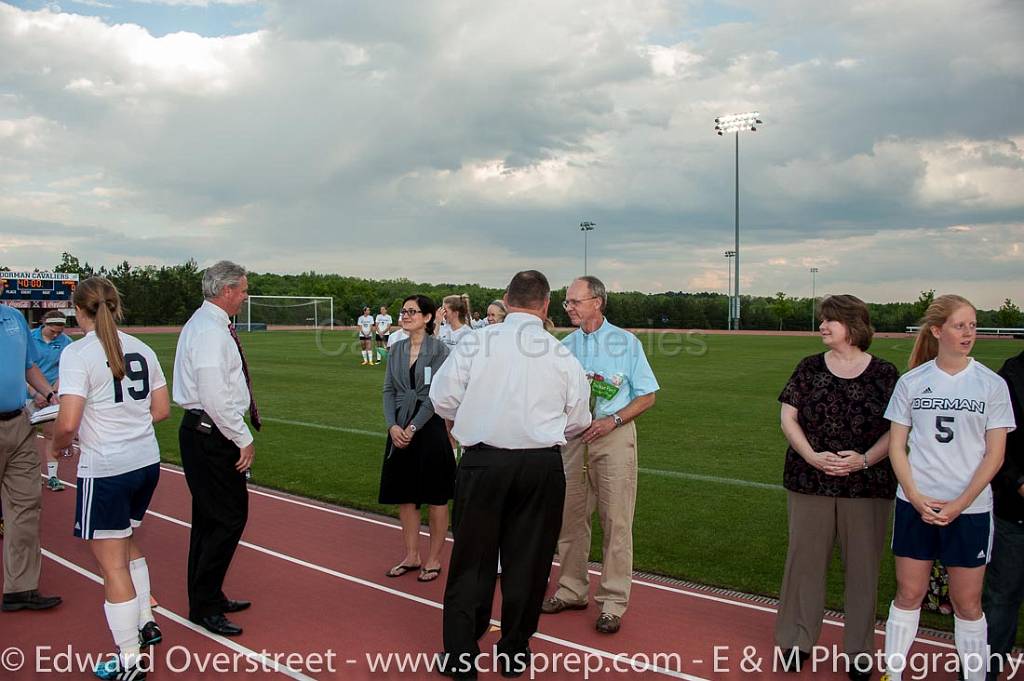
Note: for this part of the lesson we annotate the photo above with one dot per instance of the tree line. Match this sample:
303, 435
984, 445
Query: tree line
167, 295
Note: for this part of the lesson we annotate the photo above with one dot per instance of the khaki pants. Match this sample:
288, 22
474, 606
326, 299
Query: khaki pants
610, 487
814, 524
21, 494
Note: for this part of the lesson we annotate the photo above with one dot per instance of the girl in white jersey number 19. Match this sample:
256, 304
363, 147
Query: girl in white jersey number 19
954, 414
112, 391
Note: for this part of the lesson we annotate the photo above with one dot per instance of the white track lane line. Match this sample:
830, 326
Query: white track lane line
265, 662
633, 663
652, 585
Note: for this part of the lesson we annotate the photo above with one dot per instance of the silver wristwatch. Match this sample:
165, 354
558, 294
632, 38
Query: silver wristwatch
617, 419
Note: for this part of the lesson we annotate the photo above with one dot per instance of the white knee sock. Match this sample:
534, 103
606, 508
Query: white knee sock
900, 630
123, 618
51, 469
971, 638
140, 578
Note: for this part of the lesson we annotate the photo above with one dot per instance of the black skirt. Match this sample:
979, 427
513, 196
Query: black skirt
423, 472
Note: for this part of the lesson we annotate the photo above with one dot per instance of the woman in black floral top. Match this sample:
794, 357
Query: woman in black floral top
839, 482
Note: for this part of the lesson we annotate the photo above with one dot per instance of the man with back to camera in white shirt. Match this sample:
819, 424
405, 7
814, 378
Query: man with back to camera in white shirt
212, 385
515, 396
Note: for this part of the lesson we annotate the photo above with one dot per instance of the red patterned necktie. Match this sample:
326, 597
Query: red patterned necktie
254, 411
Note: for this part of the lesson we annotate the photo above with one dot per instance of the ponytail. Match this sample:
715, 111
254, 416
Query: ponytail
98, 298
459, 305
926, 345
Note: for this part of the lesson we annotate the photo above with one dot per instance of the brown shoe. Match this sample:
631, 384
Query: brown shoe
553, 605
608, 623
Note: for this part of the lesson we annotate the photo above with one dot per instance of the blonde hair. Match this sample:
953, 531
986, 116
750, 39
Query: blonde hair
459, 305
98, 298
926, 346
502, 310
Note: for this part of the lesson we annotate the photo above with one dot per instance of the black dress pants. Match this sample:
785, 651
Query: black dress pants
509, 500
220, 508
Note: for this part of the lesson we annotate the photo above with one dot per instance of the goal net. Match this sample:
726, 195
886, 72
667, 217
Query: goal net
262, 312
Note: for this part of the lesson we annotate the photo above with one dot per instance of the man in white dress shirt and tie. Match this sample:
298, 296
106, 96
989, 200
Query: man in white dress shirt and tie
212, 385
515, 395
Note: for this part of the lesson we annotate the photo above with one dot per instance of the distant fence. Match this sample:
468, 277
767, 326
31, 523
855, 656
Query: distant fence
987, 330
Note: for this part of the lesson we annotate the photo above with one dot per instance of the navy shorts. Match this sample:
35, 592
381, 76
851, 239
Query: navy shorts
108, 508
965, 542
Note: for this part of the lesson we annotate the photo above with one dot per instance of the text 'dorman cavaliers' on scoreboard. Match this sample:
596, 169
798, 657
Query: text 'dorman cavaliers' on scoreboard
37, 289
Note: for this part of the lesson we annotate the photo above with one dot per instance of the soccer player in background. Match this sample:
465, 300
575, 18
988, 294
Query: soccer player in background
383, 322
365, 324
954, 413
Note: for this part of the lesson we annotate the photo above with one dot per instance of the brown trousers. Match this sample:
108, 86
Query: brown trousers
21, 494
609, 486
815, 522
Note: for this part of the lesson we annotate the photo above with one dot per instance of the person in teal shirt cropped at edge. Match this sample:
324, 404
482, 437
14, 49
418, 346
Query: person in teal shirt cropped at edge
602, 463
49, 340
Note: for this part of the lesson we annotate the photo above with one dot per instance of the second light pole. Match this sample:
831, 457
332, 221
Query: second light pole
585, 227
814, 271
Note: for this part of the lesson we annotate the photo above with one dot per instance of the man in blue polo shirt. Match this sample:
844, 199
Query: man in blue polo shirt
49, 340
19, 467
601, 465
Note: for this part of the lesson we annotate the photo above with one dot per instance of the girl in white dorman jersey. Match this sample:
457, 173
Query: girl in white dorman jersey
365, 324
455, 317
955, 413
112, 391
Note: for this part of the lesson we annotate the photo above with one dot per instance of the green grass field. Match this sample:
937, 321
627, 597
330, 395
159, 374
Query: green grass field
713, 431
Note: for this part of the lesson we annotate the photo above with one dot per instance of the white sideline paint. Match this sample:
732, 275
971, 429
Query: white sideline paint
266, 662
652, 585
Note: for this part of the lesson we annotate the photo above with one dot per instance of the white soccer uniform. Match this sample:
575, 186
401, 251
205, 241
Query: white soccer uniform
365, 326
451, 338
384, 323
116, 434
948, 417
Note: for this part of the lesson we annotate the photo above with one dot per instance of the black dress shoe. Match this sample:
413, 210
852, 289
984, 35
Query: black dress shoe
861, 668
219, 624
29, 600
235, 606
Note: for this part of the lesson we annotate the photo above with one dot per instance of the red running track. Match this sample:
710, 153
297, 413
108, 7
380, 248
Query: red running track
316, 576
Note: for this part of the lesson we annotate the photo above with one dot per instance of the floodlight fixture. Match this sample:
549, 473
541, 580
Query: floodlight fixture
738, 122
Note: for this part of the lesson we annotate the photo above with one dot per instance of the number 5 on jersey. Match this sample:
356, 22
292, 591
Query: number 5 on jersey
945, 433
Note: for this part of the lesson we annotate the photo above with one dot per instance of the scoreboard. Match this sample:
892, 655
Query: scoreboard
37, 289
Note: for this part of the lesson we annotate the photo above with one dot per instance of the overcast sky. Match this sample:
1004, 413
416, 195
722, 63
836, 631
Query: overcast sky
461, 141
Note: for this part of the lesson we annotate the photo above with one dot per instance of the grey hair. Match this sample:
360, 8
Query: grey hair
597, 289
219, 275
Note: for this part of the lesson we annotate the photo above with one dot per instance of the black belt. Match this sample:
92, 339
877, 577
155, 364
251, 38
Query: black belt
484, 446
9, 415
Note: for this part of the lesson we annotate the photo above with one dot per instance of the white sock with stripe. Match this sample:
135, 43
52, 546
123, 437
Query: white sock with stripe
900, 630
140, 578
123, 618
971, 638
51, 469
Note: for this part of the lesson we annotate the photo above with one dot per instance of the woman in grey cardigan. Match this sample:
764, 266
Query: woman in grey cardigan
419, 464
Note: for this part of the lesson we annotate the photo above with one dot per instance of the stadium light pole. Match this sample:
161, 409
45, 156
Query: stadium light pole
734, 123
586, 226
728, 317
814, 271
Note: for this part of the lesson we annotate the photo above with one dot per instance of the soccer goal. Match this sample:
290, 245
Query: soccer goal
262, 312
